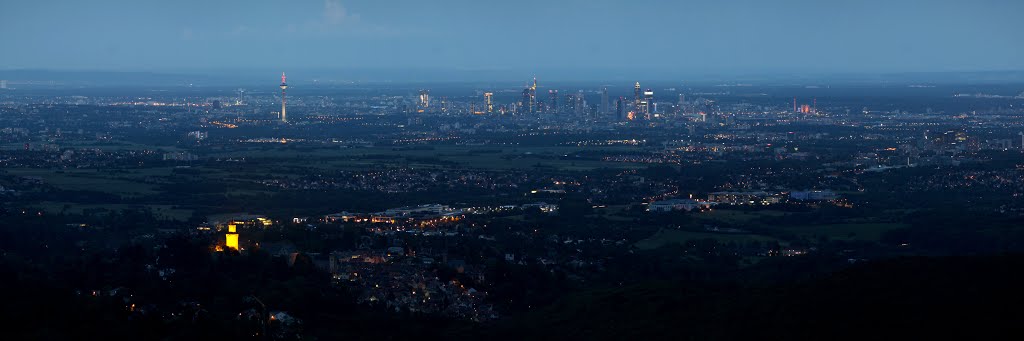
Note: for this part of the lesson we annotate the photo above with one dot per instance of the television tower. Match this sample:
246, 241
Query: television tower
284, 85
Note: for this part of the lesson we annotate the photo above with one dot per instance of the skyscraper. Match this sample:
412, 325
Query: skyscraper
581, 104
649, 101
533, 95
680, 107
709, 112
604, 100
424, 99
553, 94
570, 103
620, 112
284, 112
636, 94
487, 101
525, 104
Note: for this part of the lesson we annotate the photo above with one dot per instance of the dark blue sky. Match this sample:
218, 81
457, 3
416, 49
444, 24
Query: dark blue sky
523, 35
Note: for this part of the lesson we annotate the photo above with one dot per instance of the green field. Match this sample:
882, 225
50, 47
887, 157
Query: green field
87, 180
849, 230
105, 146
443, 156
863, 229
737, 217
237, 179
169, 212
862, 232
665, 237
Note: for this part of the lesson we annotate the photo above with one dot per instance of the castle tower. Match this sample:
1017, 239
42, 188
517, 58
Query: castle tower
231, 238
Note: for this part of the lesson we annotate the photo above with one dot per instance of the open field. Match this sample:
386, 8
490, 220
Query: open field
86, 180
665, 237
105, 146
159, 185
862, 229
737, 217
291, 161
862, 232
169, 212
442, 156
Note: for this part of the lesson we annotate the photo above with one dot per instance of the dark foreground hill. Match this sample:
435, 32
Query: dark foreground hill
946, 298
969, 297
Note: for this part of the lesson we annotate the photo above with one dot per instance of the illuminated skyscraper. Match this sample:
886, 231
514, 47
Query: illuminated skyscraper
649, 101
570, 103
681, 106
533, 95
487, 100
525, 104
284, 113
424, 99
709, 113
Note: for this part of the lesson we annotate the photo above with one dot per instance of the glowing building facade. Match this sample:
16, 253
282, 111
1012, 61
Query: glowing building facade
231, 238
424, 100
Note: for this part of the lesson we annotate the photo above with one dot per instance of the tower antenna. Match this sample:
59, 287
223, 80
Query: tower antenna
284, 85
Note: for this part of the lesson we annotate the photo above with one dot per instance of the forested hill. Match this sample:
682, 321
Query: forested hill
918, 298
